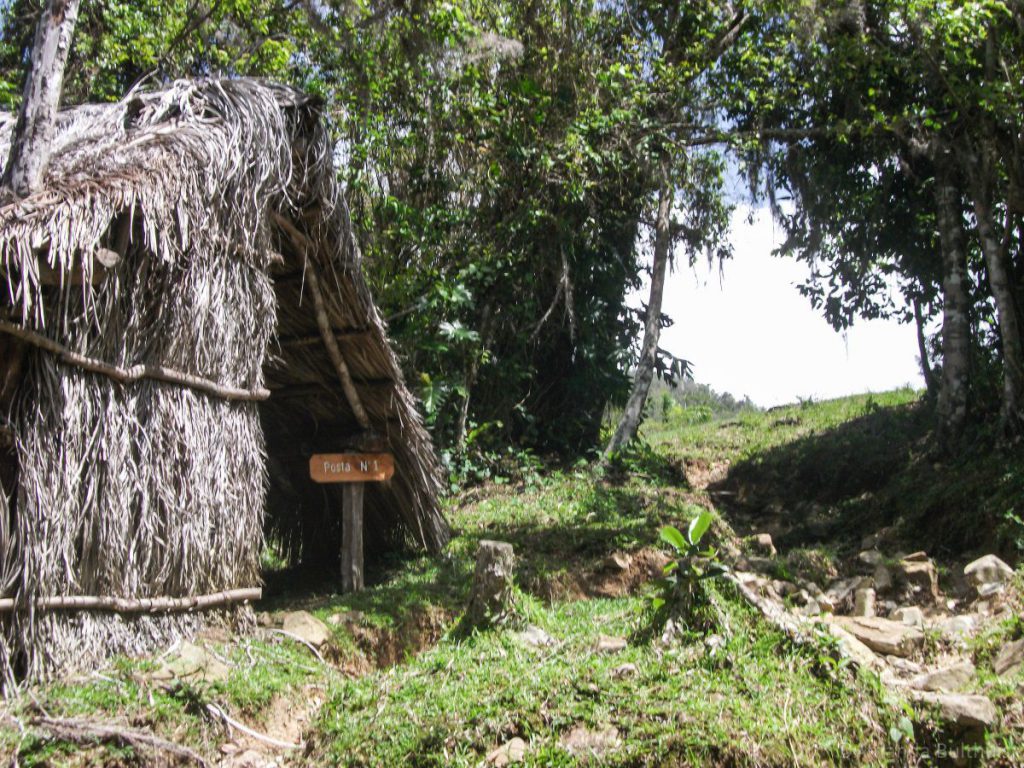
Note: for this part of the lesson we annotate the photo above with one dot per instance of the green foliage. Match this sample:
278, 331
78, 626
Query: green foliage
682, 595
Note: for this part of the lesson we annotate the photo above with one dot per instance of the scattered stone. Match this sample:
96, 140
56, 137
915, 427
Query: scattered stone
987, 570
583, 742
825, 603
347, 617
624, 670
912, 616
904, 665
920, 576
965, 711
853, 648
809, 608
840, 593
607, 644
990, 590
870, 557
875, 539
762, 544
194, 663
945, 680
307, 626
511, 752
883, 636
785, 588
535, 637
1010, 658
618, 561
864, 602
812, 588
882, 578
956, 627
264, 619
761, 564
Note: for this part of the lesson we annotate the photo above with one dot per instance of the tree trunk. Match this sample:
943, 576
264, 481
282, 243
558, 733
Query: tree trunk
472, 371
997, 263
33, 135
956, 330
922, 347
491, 601
629, 424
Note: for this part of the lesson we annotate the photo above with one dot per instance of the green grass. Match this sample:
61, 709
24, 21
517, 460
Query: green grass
756, 701
413, 691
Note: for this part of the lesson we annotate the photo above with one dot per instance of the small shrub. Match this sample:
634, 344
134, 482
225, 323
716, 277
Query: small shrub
683, 596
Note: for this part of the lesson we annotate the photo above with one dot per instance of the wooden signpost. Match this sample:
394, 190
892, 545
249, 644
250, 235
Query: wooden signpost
354, 470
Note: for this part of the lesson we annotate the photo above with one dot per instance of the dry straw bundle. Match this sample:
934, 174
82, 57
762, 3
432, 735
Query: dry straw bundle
182, 298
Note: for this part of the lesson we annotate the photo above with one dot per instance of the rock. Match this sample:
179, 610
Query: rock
785, 588
583, 742
809, 608
916, 557
607, 644
761, 564
987, 570
956, 627
618, 561
870, 557
945, 680
264, 619
307, 626
840, 593
490, 601
920, 576
882, 635
911, 616
864, 602
348, 617
875, 539
535, 637
904, 665
624, 670
763, 545
965, 711
193, 663
882, 578
853, 648
1010, 658
511, 752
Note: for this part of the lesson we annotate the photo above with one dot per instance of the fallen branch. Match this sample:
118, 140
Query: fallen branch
136, 605
229, 721
296, 638
772, 612
81, 731
133, 374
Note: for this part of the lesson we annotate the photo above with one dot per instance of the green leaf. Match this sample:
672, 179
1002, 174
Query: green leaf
671, 536
698, 527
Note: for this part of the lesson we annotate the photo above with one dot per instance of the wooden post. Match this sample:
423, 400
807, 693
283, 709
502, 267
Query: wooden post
352, 537
354, 470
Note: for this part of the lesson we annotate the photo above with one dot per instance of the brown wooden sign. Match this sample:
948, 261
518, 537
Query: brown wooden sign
351, 467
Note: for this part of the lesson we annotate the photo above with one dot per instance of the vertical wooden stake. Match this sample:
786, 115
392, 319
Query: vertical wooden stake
352, 537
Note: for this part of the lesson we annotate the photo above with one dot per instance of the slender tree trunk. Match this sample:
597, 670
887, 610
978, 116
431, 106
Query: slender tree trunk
999, 268
472, 371
956, 329
33, 135
633, 413
922, 347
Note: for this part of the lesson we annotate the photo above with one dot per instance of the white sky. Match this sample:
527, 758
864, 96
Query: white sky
752, 333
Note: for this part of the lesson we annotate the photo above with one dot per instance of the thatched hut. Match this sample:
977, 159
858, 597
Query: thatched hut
183, 321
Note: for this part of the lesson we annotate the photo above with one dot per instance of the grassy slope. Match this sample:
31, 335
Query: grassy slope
757, 701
